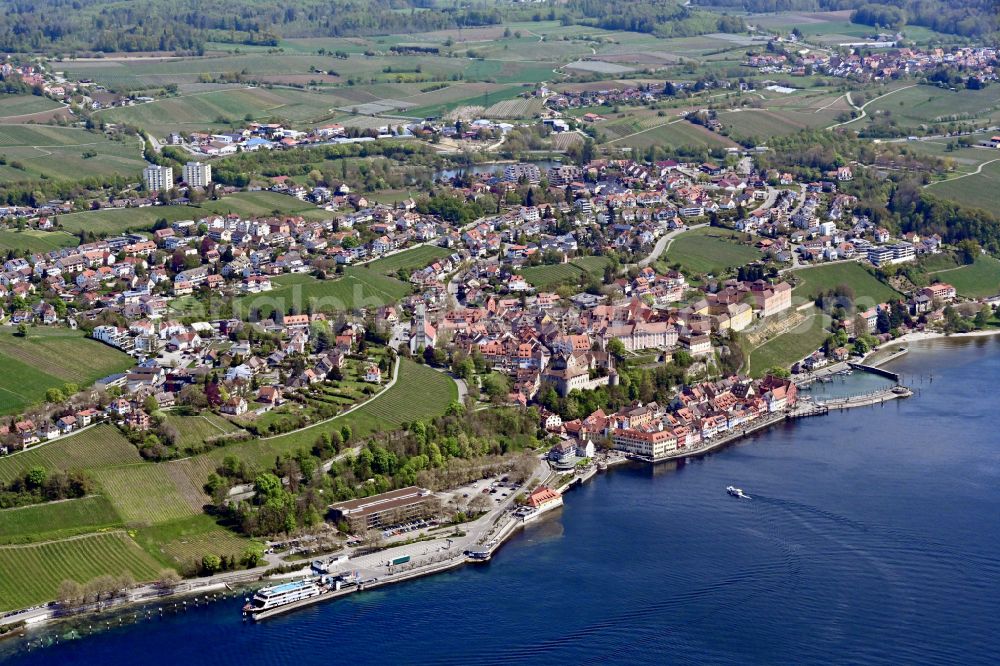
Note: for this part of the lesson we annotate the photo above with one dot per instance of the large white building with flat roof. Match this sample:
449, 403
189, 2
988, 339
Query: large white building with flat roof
158, 177
197, 174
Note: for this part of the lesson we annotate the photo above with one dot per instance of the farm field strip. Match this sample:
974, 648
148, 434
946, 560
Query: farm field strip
196, 429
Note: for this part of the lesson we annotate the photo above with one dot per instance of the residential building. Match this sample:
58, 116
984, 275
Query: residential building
158, 178
197, 174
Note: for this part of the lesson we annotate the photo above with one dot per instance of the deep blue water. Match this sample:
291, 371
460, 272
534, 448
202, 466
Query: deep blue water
873, 537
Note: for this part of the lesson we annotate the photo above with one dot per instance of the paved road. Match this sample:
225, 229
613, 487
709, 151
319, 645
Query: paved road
862, 107
978, 171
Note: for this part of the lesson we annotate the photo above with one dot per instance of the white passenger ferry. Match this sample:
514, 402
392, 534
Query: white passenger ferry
268, 600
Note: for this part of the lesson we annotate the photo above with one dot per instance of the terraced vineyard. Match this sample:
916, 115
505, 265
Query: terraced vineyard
20, 105
411, 259
31, 574
547, 277
206, 110
63, 153
96, 447
419, 392
515, 108
56, 520
195, 430
47, 350
31, 365
143, 493
710, 250
358, 287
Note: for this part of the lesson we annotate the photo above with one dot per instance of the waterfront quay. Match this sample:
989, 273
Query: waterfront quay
479, 540
804, 408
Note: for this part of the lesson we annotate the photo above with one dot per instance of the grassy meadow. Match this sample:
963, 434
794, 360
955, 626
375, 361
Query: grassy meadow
710, 250
867, 288
550, 276
356, 288
978, 280
31, 152
408, 260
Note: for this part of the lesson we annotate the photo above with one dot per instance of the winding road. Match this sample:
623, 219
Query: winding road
978, 171
664, 242
862, 107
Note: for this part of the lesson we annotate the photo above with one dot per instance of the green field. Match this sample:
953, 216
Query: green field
29, 366
978, 280
41, 151
868, 291
357, 288
99, 446
781, 117
57, 520
247, 204
408, 260
419, 393
22, 105
553, 275
979, 190
788, 348
642, 128
710, 250
33, 240
31, 574
144, 493
930, 104
182, 543
442, 105
832, 26
217, 109
194, 430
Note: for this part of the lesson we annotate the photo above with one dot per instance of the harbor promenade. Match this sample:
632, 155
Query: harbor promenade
866, 399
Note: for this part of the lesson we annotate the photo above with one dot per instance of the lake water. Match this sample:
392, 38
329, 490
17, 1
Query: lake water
872, 538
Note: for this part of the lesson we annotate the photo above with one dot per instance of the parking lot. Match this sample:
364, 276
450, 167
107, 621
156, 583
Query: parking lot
498, 488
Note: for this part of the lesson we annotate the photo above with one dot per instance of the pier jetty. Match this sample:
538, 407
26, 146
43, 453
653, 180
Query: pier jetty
867, 399
876, 370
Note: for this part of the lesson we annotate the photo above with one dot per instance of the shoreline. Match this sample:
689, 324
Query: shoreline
923, 336
501, 529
